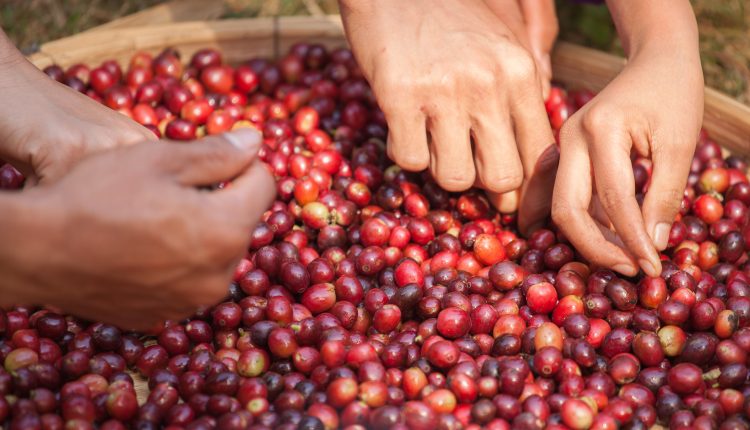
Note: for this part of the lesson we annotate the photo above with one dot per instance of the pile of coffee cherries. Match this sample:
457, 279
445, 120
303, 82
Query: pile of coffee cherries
370, 298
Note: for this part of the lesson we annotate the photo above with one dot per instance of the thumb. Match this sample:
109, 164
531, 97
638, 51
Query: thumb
505, 202
664, 196
542, 28
541, 24
212, 159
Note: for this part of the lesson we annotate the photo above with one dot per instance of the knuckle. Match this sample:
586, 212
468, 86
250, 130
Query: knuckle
483, 78
519, 67
446, 80
602, 118
561, 212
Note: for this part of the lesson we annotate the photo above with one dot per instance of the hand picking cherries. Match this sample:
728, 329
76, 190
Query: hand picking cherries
369, 298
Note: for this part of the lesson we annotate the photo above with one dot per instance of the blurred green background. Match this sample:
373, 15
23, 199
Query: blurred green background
724, 27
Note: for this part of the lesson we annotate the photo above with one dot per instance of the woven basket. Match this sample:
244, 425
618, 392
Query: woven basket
726, 121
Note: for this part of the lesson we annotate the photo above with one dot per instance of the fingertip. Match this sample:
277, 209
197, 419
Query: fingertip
256, 182
245, 139
453, 184
410, 160
270, 188
407, 140
625, 269
505, 202
450, 178
660, 235
650, 268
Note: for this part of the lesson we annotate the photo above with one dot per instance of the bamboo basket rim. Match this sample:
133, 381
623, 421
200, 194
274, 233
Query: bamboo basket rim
726, 120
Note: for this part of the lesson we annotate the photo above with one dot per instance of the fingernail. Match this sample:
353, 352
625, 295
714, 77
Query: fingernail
661, 235
245, 139
625, 269
648, 267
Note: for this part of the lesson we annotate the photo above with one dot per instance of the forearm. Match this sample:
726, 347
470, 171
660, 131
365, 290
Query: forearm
19, 82
656, 26
15, 69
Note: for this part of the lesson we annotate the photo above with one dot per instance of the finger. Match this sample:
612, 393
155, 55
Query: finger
248, 196
498, 167
545, 74
509, 12
407, 139
536, 193
598, 213
664, 196
539, 155
615, 185
131, 133
505, 202
542, 28
213, 159
145, 134
541, 25
451, 162
570, 201
31, 180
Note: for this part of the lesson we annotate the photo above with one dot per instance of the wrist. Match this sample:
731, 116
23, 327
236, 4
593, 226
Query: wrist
15, 69
679, 50
30, 231
665, 27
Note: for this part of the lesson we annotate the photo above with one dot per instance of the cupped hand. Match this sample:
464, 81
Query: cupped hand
46, 127
655, 107
461, 95
129, 237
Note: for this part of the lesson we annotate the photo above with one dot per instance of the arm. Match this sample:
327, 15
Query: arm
459, 74
656, 27
72, 125
117, 229
139, 246
655, 106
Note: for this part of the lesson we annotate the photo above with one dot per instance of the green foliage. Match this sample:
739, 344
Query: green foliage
587, 24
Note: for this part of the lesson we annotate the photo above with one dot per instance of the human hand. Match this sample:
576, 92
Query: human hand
655, 107
537, 21
127, 237
46, 127
461, 95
